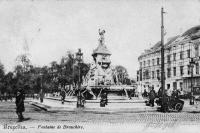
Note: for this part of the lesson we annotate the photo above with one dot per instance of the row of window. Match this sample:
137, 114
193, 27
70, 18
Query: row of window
175, 85
181, 56
146, 74
153, 62
169, 58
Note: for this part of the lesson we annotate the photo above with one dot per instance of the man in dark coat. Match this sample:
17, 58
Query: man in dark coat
41, 94
159, 95
152, 96
145, 93
175, 94
104, 99
62, 94
20, 96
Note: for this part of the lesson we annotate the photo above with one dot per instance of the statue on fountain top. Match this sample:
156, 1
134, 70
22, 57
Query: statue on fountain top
101, 33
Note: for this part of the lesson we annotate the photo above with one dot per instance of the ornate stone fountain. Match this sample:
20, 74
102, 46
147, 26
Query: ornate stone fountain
101, 74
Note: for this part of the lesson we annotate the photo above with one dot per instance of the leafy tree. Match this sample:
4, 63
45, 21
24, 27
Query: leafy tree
1, 70
9, 82
68, 70
24, 61
22, 72
54, 75
49, 78
84, 68
2, 73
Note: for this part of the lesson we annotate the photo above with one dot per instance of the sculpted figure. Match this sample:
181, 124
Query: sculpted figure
101, 33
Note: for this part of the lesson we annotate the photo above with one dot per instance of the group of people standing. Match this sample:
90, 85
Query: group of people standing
170, 95
6, 97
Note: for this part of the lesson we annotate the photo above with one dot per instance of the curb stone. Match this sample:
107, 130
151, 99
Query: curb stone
94, 110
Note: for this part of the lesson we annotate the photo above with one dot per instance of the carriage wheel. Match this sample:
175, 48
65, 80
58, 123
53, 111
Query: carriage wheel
178, 107
165, 108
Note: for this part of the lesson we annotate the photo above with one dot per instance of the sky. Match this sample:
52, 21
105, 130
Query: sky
48, 29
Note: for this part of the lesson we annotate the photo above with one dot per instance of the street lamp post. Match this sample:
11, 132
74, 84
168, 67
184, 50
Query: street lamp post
41, 89
162, 63
79, 59
192, 63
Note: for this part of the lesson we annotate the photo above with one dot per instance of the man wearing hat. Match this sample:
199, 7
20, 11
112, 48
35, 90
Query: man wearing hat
152, 96
62, 94
104, 98
20, 96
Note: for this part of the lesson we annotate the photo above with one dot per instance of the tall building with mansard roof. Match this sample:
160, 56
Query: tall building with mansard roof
179, 51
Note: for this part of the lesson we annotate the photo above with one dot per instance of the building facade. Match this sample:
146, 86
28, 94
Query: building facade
181, 63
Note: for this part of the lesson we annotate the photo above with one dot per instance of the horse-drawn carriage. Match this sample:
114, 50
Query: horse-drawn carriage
170, 104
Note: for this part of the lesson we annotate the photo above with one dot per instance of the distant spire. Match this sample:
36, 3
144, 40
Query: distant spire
26, 46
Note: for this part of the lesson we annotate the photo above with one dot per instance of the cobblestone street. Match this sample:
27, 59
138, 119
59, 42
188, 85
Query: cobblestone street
110, 121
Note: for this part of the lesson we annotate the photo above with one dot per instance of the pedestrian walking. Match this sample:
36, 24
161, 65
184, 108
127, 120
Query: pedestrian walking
20, 96
159, 94
62, 94
41, 94
104, 99
145, 93
82, 99
152, 96
175, 94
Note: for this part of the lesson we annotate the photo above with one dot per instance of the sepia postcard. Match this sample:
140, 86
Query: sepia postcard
99, 66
